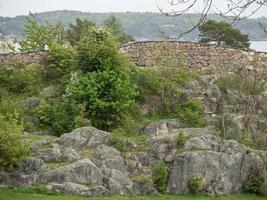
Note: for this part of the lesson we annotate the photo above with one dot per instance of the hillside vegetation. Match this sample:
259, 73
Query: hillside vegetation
87, 121
141, 25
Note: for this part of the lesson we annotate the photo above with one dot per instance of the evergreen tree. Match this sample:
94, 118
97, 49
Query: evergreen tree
115, 27
223, 33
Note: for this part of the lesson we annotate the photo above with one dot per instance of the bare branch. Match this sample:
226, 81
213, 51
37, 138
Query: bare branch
233, 11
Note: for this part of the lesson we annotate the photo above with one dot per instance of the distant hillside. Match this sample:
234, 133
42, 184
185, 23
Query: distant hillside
140, 25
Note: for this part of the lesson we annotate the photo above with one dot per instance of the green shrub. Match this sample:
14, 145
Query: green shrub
60, 63
12, 148
117, 139
23, 80
104, 84
181, 139
160, 177
12, 110
60, 116
190, 113
195, 184
254, 182
160, 87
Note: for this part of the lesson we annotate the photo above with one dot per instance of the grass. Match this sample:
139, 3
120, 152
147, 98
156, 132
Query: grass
39, 193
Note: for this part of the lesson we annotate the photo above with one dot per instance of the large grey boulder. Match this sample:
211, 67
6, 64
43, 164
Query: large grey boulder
84, 137
109, 157
118, 182
81, 172
223, 166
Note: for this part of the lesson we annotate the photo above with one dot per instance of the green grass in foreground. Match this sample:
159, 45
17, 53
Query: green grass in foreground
42, 194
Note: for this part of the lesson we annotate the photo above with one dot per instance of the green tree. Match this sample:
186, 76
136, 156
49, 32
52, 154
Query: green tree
12, 148
115, 27
79, 30
36, 37
223, 33
60, 62
104, 84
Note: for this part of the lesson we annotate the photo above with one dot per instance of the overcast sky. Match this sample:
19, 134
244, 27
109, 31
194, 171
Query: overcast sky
13, 8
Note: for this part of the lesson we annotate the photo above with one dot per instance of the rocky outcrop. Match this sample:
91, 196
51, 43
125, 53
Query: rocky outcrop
82, 163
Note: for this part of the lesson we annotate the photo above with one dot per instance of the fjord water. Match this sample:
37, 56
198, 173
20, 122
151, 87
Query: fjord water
259, 46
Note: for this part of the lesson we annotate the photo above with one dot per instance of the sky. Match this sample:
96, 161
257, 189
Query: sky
13, 8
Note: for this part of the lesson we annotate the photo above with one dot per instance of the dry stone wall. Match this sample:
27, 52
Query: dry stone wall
18, 59
152, 53
195, 55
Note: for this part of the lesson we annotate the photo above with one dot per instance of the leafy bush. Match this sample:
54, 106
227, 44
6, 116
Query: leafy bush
12, 148
181, 139
60, 116
195, 184
160, 176
160, 87
104, 84
60, 62
190, 113
254, 182
23, 80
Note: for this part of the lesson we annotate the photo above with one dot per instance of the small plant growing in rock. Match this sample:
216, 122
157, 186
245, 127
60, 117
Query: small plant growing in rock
195, 184
254, 182
181, 139
117, 139
160, 177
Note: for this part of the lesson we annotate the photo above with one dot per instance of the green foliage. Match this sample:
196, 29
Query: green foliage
181, 139
79, 30
104, 84
60, 62
115, 27
190, 113
255, 182
244, 85
12, 110
223, 32
160, 177
161, 87
12, 148
60, 116
117, 139
36, 37
195, 184
23, 80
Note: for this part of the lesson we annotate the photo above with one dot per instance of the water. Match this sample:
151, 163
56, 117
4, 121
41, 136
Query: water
259, 45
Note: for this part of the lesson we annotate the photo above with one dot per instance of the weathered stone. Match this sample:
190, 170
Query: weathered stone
77, 189
32, 102
84, 137
171, 124
118, 182
28, 172
60, 154
223, 167
81, 172
143, 187
50, 92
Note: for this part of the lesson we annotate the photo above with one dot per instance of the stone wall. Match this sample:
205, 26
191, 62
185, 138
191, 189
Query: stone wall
195, 55
152, 53
18, 59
